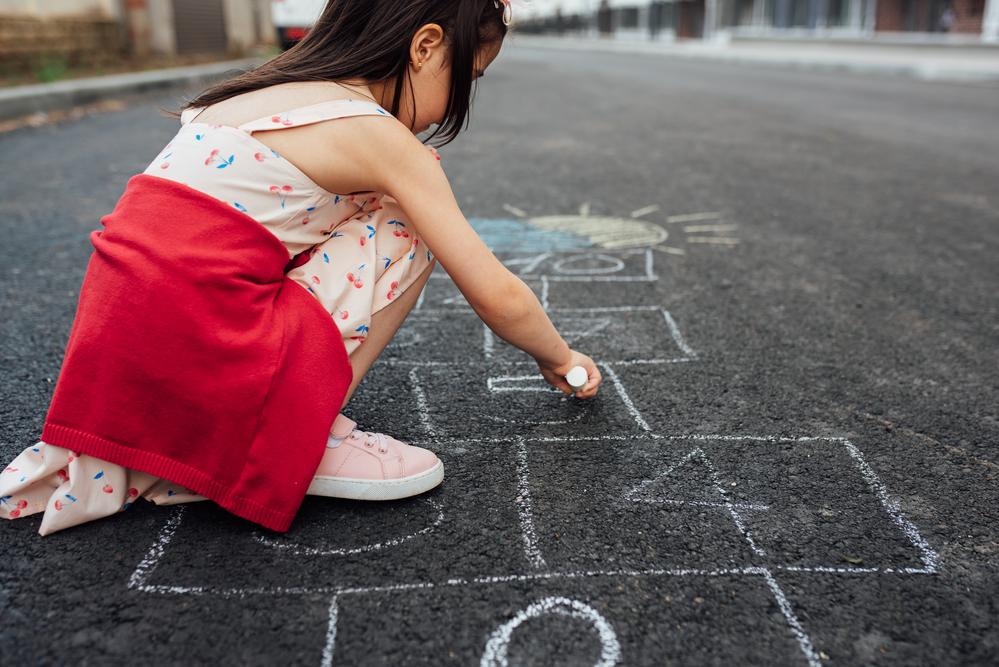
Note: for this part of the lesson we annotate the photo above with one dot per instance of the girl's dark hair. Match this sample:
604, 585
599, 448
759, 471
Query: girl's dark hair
370, 40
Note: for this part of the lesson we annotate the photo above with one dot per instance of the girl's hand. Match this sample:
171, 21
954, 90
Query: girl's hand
555, 375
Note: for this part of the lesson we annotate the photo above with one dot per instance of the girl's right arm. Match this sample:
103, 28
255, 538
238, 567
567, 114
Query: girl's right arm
413, 176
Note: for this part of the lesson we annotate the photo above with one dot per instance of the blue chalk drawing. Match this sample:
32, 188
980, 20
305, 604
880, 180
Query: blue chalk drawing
510, 235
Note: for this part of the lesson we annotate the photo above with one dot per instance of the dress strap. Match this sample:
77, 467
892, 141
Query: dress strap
314, 113
187, 115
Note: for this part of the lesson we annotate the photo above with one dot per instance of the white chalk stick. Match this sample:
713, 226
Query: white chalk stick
577, 377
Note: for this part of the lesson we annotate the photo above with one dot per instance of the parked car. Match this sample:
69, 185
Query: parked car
294, 18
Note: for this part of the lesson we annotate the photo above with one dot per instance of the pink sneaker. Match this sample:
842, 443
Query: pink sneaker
373, 466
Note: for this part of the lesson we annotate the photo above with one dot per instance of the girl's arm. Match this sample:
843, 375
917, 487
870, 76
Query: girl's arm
404, 168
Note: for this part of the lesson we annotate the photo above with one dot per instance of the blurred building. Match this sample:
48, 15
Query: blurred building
230, 27
913, 21
97, 32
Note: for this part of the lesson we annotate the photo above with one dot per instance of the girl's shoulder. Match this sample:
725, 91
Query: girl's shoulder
273, 101
290, 120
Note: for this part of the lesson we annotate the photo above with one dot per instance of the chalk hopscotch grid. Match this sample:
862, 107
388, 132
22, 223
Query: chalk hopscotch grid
497, 642
146, 568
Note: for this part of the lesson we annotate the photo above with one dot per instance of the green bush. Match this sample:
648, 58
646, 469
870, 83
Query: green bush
51, 68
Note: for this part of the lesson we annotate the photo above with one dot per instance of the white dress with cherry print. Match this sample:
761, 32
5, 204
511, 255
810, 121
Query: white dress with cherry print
362, 254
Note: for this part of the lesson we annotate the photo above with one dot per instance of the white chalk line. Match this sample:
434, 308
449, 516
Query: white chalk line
516, 211
559, 265
804, 641
448, 583
497, 579
498, 643
334, 615
626, 399
592, 309
585, 279
591, 326
753, 507
543, 390
528, 263
713, 240
488, 343
736, 517
677, 336
637, 436
523, 501
487, 580
645, 210
544, 292
493, 383
530, 422
148, 564
645, 484
930, 558
297, 549
421, 403
693, 217
511, 362
696, 229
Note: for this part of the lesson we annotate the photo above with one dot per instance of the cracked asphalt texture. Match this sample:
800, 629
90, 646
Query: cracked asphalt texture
818, 483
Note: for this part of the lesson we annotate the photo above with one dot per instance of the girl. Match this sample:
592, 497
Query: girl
251, 275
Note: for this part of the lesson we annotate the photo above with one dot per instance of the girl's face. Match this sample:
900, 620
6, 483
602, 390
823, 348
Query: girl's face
430, 75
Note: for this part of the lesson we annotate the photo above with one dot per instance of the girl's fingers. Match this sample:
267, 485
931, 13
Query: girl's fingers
559, 383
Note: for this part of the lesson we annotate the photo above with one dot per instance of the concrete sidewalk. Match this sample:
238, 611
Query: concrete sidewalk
951, 63
24, 100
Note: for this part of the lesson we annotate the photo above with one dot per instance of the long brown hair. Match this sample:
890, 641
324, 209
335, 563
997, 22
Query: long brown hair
370, 40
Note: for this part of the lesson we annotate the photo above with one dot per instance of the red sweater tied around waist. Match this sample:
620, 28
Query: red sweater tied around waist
194, 358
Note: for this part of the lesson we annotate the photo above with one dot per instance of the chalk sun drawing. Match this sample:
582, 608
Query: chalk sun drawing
583, 230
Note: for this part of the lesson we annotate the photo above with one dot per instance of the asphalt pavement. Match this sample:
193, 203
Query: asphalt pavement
789, 279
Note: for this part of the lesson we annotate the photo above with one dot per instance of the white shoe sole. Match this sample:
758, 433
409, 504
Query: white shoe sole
377, 489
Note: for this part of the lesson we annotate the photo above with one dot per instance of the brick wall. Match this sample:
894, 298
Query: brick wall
27, 42
968, 16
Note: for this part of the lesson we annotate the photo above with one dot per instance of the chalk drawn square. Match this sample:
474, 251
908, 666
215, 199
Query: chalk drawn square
806, 505
444, 295
431, 337
510, 400
583, 621
828, 509
612, 335
337, 544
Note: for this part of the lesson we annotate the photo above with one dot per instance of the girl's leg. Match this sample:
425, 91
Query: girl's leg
384, 324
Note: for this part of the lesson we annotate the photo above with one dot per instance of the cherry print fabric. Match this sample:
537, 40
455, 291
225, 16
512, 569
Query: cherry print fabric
72, 489
362, 267
354, 253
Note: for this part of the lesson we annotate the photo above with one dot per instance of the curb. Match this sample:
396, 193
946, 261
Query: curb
932, 70
25, 100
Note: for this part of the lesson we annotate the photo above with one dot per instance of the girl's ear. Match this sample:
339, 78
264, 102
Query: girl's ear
428, 40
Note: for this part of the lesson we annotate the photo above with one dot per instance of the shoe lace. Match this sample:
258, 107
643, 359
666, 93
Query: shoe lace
370, 439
